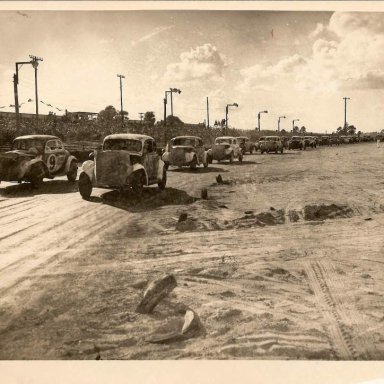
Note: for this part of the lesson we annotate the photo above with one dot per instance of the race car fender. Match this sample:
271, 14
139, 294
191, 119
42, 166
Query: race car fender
205, 154
26, 167
137, 167
88, 167
165, 157
68, 163
160, 169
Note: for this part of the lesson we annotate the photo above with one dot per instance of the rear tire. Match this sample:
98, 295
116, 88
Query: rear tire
85, 186
72, 173
240, 158
251, 151
138, 184
193, 164
231, 158
37, 175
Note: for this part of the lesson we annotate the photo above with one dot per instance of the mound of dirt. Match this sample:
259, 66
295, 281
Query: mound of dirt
323, 212
272, 217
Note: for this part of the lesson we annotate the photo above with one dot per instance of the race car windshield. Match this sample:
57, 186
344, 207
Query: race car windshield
185, 141
223, 141
122, 145
27, 144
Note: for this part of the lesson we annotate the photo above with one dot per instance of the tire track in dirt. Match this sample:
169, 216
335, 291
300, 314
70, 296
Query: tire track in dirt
27, 270
330, 309
348, 313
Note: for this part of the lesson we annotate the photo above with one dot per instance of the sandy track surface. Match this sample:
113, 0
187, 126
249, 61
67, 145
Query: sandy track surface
283, 261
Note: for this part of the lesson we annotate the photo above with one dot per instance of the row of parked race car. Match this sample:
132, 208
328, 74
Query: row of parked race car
279, 143
131, 161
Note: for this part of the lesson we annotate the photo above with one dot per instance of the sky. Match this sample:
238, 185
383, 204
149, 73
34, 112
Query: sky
291, 63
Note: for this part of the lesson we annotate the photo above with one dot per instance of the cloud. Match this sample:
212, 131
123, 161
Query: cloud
203, 62
264, 78
346, 54
343, 23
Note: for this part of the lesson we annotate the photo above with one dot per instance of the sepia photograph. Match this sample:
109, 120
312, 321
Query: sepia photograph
188, 181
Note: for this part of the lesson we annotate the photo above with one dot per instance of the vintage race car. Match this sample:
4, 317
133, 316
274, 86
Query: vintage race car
296, 142
186, 151
325, 140
246, 144
271, 144
334, 140
310, 141
225, 148
126, 161
35, 157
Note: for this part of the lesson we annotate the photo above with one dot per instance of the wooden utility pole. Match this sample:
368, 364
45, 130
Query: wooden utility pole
207, 112
35, 63
121, 99
345, 111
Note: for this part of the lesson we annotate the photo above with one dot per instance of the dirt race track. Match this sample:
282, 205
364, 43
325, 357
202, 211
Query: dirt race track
283, 261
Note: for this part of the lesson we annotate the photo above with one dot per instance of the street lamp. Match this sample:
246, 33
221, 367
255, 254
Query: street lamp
35, 63
171, 90
293, 124
258, 119
226, 115
121, 99
278, 123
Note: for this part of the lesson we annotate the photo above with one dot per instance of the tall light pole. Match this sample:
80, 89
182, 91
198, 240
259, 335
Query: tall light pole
165, 106
173, 90
121, 99
15, 84
345, 111
258, 119
278, 122
35, 63
293, 124
226, 116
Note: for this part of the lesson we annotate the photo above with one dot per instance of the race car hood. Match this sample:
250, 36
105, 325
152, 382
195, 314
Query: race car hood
16, 154
219, 151
182, 154
112, 167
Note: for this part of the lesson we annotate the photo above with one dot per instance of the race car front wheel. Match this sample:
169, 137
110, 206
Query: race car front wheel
72, 173
85, 186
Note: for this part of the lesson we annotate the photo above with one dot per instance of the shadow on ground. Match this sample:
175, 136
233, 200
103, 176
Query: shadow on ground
151, 199
47, 187
197, 170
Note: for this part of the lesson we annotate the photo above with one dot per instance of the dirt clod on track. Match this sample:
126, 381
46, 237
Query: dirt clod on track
279, 261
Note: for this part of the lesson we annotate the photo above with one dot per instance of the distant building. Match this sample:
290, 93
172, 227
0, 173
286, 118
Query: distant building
73, 116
